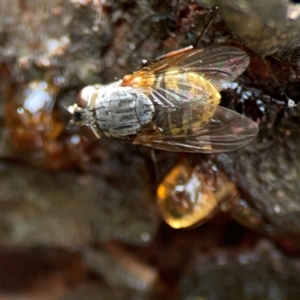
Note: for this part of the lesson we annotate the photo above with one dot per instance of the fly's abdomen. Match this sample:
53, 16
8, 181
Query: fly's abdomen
123, 112
188, 96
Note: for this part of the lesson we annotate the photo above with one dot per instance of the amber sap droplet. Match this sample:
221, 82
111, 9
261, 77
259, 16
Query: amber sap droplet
29, 115
184, 198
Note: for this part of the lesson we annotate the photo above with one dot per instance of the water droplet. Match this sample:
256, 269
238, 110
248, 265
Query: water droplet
20, 110
145, 236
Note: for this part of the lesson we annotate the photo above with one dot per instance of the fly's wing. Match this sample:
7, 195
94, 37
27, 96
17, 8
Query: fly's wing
217, 64
227, 131
183, 88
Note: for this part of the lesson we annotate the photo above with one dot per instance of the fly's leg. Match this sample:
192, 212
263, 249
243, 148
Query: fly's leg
174, 53
213, 16
154, 160
290, 102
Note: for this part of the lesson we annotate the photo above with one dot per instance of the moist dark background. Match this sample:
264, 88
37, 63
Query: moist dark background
78, 219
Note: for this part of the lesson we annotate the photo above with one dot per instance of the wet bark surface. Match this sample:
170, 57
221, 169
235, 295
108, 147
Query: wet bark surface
79, 219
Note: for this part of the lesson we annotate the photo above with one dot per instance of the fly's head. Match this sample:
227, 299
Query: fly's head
83, 112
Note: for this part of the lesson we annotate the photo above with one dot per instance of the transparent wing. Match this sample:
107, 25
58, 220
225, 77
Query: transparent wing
184, 88
227, 131
217, 64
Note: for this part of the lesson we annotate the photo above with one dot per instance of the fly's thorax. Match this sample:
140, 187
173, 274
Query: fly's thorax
122, 111
88, 95
84, 109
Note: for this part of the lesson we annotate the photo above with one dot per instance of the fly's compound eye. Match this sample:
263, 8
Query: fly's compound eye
85, 96
83, 115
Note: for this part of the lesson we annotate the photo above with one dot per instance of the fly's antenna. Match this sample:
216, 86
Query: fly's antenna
213, 16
